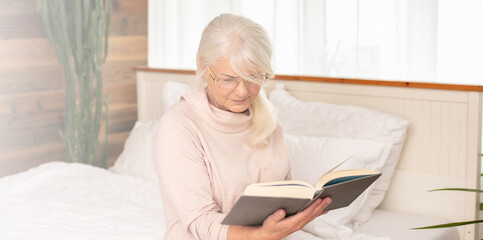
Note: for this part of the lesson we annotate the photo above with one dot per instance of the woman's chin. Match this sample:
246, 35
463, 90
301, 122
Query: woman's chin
238, 108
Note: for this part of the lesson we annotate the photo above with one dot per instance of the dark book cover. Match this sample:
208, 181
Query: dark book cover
253, 210
344, 193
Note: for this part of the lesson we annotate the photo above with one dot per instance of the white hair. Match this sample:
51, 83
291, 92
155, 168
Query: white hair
247, 45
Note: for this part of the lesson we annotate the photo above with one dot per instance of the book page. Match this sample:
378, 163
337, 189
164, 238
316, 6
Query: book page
345, 175
288, 189
283, 183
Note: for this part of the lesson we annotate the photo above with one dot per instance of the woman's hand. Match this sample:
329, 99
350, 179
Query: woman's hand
276, 226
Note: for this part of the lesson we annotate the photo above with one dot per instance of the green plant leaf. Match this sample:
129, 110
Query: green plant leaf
447, 225
75, 30
458, 189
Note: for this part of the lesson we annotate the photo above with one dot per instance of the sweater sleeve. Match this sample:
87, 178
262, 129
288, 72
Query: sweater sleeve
184, 180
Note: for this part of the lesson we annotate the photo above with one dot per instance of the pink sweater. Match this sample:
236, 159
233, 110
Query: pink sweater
203, 165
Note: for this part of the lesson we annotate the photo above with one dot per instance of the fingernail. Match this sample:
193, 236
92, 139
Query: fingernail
281, 213
328, 201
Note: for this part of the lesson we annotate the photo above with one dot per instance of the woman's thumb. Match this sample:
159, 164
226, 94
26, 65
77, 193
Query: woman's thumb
276, 216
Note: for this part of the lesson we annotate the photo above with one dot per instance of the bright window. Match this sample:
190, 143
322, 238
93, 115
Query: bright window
403, 40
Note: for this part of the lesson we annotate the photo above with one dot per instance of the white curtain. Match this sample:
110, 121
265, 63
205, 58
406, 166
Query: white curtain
406, 40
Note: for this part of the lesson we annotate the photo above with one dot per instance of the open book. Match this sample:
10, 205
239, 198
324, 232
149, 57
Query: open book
260, 200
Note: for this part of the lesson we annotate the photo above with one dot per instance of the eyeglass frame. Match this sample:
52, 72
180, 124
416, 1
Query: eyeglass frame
237, 82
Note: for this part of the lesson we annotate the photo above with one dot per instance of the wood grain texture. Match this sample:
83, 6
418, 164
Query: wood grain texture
128, 24
35, 118
18, 6
40, 79
120, 72
32, 83
17, 161
21, 25
127, 48
130, 6
37, 79
21, 54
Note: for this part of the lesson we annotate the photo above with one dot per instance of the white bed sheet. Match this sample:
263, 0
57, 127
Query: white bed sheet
61, 200
76, 201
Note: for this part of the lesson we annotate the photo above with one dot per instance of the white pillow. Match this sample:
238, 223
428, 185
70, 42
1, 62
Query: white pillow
172, 92
332, 120
136, 158
310, 157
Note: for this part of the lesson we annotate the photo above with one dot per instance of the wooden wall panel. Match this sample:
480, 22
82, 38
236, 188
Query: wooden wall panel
18, 6
131, 6
21, 25
32, 83
129, 24
21, 54
36, 79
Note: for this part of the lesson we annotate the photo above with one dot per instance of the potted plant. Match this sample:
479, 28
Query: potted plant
78, 31
455, 224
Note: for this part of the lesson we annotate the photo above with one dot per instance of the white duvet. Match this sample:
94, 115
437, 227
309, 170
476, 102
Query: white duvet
77, 201
61, 200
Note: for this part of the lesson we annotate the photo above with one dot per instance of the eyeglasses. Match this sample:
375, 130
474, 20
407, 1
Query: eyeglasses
232, 82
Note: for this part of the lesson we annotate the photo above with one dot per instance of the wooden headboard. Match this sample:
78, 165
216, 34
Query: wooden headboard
442, 146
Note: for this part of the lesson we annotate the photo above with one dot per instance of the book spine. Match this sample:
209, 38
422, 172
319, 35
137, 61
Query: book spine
316, 195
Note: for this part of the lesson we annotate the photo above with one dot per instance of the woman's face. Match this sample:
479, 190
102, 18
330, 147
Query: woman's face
236, 99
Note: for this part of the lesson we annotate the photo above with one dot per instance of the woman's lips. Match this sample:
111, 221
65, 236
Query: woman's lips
240, 101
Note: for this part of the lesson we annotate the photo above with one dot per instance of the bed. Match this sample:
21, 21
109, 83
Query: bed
420, 139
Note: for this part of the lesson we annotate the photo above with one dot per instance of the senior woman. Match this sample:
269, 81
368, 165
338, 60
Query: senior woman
223, 137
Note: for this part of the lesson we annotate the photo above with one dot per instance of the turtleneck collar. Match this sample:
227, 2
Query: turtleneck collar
220, 120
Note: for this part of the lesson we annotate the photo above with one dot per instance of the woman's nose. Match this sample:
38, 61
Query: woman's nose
242, 89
